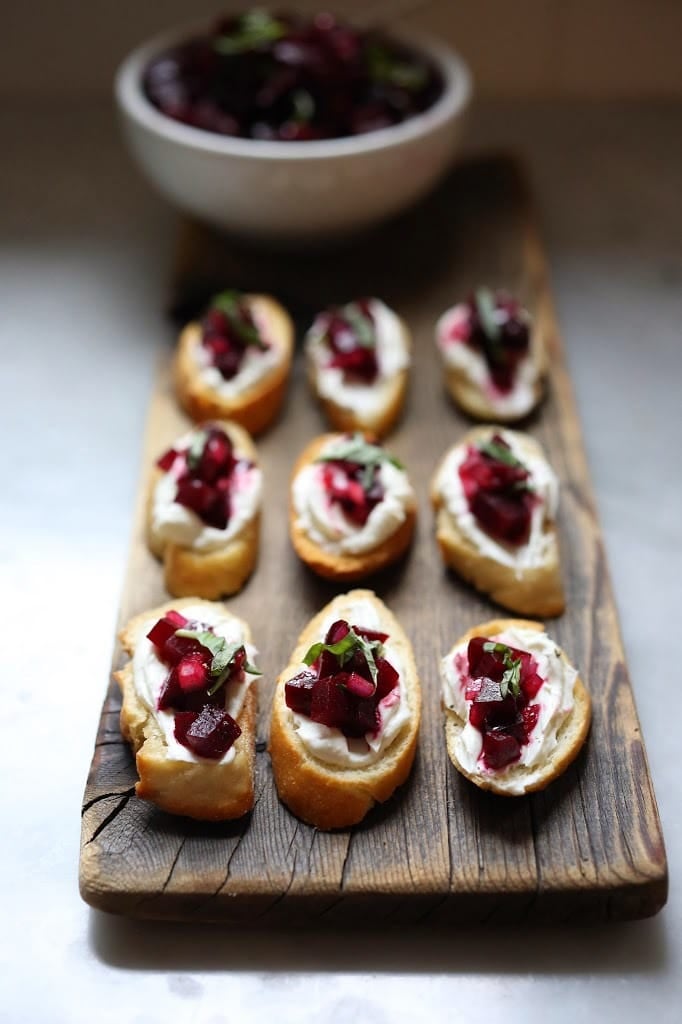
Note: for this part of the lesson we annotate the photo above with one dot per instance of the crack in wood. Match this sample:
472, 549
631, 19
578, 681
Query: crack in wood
110, 817
587, 827
172, 867
346, 857
105, 796
213, 895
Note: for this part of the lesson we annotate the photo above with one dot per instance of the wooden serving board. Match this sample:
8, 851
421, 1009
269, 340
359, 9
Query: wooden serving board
588, 847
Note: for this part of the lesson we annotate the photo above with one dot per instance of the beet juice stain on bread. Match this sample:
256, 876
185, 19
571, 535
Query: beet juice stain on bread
358, 358
352, 508
203, 511
189, 708
493, 356
496, 498
346, 712
516, 711
235, 363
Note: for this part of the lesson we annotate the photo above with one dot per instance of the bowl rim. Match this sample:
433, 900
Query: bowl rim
134, 104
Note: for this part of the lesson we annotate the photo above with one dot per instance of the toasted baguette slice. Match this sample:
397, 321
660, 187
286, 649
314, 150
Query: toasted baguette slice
472, 398
518, 780
535, 590
321, 794
216, 572
345, 567
346, 416
257, 405
209, 791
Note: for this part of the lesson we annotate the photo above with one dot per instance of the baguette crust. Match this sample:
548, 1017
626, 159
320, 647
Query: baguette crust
258, 405
468, 396
345, 568
197, 789
219, 571
570, 737
323, 795
529, 591
378, 422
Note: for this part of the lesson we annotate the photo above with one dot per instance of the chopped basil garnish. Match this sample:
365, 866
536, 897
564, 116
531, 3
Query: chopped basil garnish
196, 449
362, 326
345, 648
304, 106
499, 452
222, 652
383, 67
359, 451
254, 29
486, 308
511, 680
230, 303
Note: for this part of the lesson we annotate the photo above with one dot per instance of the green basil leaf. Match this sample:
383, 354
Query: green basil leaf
254, 28
213, 643
226, 302
356, 449
230, 303
511, 678
343, 647
344, 650
501, 454
304, 106
222, 656
196, 448
362, 326
486, 307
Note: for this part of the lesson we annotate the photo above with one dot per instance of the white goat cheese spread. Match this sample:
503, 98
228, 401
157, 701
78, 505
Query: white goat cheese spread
554, 698
330, 745
150, 673
545, 485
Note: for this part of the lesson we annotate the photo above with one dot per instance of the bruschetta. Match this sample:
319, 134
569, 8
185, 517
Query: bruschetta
235, 362
493, 355
516, 711
496, 498
203, 511
352, 509
358, 357
189, 708
346, 713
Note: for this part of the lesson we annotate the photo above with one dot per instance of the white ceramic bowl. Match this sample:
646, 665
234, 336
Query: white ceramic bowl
293, 190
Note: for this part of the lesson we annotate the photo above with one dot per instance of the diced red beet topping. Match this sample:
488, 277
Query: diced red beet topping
339, 690
200, 721
204, 476
499, 330
228, 331
290, 77
208, 733
499, 709
345, 484
496, 487
349, 331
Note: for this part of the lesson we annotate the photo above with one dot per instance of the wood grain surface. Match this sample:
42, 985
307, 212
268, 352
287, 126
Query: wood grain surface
590, 847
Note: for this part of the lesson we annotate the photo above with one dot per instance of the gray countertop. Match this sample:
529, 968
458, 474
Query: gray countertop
84, 256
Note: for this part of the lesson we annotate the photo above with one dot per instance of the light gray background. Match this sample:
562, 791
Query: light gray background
84, 255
